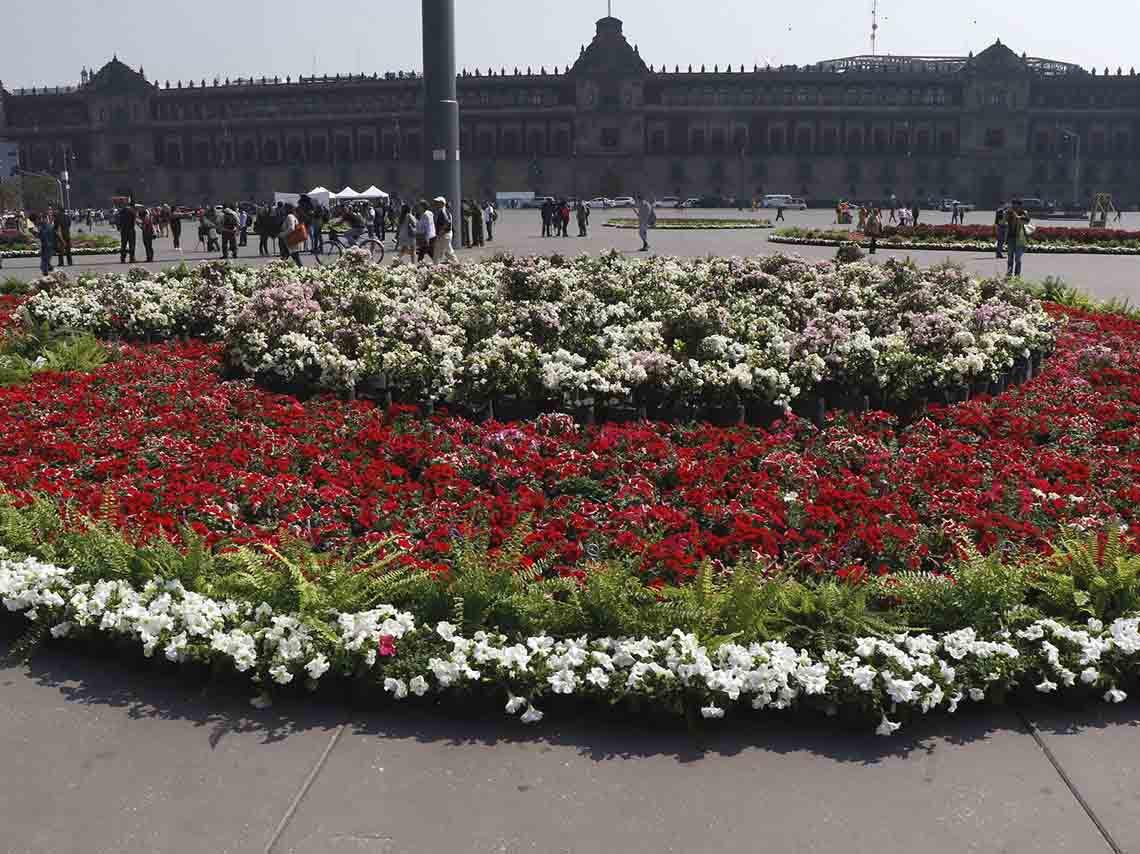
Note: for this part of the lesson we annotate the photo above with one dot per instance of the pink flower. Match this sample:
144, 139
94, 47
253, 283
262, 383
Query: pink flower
387, 646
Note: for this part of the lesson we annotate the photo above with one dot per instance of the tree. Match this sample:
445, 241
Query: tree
9, 196
39, 192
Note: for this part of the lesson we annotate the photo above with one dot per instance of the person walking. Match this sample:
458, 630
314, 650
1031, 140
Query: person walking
293, 235
490, 215
263, 230
45, 231
243, 227
547, 217
406, 235
914, 211
165, 219
63, 237
1017, 237
380, 226
231, 225
564, 217
646, 219
874, 227
425, 232
583, 212
1000, 225
465, 214
126, 226
149, 230
779, 213
176, 230
444, 228
476, 223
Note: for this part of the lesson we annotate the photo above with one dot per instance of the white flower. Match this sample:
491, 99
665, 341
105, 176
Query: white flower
563, 681
61, 631
531, 716
1115, 695
445, 631
977, 695
1089, 675
887, 727
598, 677
714, 712
418, 686
317, 667
514, 704
1046, 687
281, 674
396, 687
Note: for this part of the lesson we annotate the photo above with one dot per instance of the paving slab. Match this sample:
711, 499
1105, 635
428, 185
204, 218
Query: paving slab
100, 758
1099, 748
397, 785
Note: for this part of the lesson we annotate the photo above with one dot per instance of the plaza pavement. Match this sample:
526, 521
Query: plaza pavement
100, 757
519, 231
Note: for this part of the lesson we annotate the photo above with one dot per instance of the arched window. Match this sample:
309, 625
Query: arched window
248, 151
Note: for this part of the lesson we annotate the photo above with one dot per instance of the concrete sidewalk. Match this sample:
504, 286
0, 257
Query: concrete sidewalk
102, 758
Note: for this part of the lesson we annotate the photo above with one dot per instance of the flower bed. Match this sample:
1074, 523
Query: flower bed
660, 335
80, 245
1093, 241
883, 678
788, 561
692, 224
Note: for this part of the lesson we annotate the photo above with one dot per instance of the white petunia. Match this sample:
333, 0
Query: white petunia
418, 686
887, 727
713, 712
531, 716
1046, 687
317, 667
1115, 695
396, 687
515, 704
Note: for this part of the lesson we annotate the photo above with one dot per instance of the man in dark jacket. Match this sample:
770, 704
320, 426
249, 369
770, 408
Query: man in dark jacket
63, 237
126, 225
231, 224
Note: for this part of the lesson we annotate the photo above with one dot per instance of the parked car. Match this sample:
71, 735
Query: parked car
600, 202
948, 205
538, 201
668, 202
692, 202
624, 202
1033, 205
798, 204
776, 200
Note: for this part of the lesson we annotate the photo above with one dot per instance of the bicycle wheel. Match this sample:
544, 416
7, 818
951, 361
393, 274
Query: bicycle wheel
375, 250
334, 249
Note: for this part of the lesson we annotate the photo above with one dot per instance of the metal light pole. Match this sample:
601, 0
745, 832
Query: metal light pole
441, 104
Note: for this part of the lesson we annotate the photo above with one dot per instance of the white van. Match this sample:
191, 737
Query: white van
782, 200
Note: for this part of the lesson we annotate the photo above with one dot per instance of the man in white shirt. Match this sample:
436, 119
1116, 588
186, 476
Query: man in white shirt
489, 217
425, 231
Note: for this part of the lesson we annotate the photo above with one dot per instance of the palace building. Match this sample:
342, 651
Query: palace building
979, 128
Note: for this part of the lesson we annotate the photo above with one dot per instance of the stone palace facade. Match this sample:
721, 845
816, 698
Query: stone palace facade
979, 128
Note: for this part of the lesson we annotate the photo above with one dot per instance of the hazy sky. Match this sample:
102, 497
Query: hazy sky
47, 43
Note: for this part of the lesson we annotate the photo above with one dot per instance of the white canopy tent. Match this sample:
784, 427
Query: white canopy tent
374, 192
320, 196
347, 195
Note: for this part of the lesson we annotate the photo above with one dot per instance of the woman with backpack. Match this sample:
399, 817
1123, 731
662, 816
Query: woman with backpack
293, 235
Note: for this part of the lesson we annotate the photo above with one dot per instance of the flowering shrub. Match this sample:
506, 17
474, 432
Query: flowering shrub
764, 330
692, 224
889, 678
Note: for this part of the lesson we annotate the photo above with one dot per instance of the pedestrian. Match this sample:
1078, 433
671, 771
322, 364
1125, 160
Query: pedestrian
646, 219
564, 217
425, 232
176, 230
262, 229
149, 230
444, 228
914, 213
63, 237
166, 216
1000, 226
126, 226
406, 235
465, 214
779, 213
874, 227
1017, 237
231, 225
45, 230
243, 228
476, 224
583, 211
547, 217
293, 235
490, 217
380, 225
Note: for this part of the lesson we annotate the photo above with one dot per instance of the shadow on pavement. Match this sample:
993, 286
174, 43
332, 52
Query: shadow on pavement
590, 730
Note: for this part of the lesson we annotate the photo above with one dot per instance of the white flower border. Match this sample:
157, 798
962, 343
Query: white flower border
704, 226
960, 246
908, 673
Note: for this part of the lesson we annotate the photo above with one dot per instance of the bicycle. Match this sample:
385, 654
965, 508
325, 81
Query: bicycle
336, 246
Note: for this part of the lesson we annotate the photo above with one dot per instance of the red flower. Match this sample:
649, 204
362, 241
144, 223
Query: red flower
387, 646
